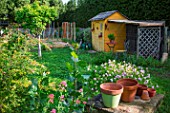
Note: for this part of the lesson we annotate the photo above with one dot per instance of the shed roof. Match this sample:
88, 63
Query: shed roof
104, 15
140, 23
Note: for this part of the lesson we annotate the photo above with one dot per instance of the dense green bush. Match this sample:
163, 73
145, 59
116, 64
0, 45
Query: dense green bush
15, 66
133, 9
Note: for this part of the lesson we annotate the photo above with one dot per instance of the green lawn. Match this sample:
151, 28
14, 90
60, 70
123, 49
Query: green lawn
56, 60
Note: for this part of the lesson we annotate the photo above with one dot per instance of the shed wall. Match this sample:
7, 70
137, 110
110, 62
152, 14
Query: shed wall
97, 29
118, 29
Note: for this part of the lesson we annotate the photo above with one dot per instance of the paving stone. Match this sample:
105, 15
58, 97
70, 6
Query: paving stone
137, 106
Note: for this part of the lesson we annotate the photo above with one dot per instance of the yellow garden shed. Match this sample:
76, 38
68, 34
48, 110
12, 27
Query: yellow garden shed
101, 28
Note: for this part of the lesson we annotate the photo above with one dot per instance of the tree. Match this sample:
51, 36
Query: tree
3, 9
35, 18
7, 7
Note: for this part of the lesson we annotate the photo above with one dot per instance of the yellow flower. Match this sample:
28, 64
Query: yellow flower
74, 54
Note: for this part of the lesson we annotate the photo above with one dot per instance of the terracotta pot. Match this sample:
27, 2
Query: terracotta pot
111, 93
140, 89
152, 92
145, 95
130, 89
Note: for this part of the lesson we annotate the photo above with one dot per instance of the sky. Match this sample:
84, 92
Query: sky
65, 1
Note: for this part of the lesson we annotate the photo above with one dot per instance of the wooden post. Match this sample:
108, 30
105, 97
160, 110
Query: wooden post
67, 27
166, 39
74, 31
53, 33
58, 28
71, 31
39, 46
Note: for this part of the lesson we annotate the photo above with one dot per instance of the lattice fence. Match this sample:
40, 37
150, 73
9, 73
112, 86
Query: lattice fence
148, 44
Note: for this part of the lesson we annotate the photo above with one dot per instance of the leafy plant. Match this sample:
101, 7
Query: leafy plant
111, 36
15, 65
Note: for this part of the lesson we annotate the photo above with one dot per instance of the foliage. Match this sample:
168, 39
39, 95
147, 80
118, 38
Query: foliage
8, 6
112, 71
133, 9
56, 59
15, 65
35, 16
49, 94
111, 36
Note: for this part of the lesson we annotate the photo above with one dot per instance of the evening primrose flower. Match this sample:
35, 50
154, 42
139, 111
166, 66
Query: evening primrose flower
64, 83
77, 101
84, 102
53, 111
51, 97
80, 90
62, 97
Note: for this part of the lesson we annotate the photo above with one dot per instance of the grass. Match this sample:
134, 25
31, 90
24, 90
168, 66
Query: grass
56, 60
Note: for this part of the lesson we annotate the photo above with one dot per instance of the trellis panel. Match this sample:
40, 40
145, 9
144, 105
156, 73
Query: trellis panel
148, 44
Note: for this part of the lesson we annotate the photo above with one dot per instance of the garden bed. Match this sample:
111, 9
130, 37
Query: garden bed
137, 106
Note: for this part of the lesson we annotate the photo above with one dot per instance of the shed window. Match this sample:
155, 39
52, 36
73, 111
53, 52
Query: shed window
101, 26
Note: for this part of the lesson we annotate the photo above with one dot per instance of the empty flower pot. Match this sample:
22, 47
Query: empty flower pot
111, 93
140, 89
130, 89
145, 95
152, 92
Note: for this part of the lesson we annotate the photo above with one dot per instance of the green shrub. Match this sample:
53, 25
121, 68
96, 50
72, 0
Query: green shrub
15, 65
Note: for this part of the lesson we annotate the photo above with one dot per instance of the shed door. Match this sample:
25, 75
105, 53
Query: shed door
148, 44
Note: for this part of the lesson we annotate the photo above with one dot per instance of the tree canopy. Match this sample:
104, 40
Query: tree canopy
35, 16
133, 9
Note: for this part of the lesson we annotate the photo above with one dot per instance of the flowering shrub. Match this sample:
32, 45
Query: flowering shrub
112, 71
15, 66
65, 100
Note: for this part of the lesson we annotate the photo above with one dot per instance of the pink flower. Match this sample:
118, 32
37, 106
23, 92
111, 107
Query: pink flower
80, 90
51, 96
77, 101
64, 83
53, 111
62, 97
51, 101
84, 102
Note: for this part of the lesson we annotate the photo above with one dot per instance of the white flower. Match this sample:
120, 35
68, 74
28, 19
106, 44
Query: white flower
148, 76
142, 71
139, 79
152, 87
111, 80
146, 82
75, 59
44, 74
88, 68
